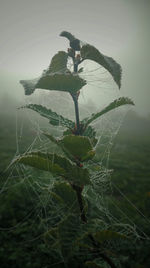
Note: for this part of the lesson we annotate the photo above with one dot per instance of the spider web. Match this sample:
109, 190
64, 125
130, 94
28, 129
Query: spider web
38, 185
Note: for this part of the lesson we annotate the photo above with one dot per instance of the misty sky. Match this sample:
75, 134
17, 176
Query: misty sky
118, 28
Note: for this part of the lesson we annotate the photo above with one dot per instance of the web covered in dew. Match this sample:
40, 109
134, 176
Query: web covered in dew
39, 184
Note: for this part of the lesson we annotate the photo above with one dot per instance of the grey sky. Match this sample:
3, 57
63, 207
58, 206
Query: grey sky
118, 28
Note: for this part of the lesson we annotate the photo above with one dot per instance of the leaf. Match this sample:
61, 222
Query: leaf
58, 63
54, 118
68, 35
43, 161
67, 196
80, 147
29, 85
51, 138
74, 42
91, 133
91, 53
57, 165
106, 235
113, 105
62, 82
79, 176
68, 232
56, 77
60, 145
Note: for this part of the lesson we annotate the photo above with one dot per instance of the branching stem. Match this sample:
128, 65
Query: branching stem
75, 100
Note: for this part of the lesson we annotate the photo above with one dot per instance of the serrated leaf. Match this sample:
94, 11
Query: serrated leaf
106, 235
91, 53
80, 147
54, 118
113, 105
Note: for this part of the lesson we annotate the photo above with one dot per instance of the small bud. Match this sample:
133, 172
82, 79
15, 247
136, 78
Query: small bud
78, 56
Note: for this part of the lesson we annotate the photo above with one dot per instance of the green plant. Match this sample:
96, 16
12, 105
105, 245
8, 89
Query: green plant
77, 229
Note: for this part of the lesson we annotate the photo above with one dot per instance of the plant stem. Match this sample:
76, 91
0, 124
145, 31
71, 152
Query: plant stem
75, 99
104, 256
78, 190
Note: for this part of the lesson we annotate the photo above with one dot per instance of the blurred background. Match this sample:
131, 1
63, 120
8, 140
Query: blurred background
29, 38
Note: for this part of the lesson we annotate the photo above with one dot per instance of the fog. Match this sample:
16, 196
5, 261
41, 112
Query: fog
30, 37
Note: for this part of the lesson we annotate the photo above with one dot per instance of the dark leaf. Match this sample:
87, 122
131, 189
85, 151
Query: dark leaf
62, 82
66, 195
57, 165
80, 147
56, 77
54, 118
58, 63
113, 105
47, 162
74, 42
91, 53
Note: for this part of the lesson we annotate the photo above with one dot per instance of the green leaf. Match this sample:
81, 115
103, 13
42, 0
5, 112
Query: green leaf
56, 77
66, 195
113, 105
62, 82
60, 145
91, 133
58, 63
91, 53
79, 176
80, 147
57, 165
106, 235
47, 162
54, 118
